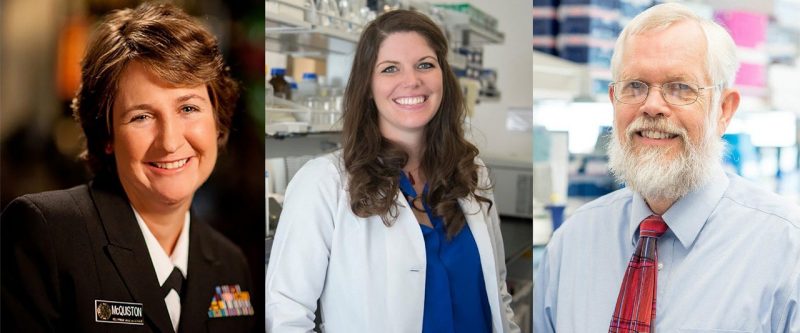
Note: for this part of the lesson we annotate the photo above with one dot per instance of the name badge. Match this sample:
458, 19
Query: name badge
118, 312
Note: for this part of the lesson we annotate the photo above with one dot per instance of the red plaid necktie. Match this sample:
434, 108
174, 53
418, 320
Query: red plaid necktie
636, 303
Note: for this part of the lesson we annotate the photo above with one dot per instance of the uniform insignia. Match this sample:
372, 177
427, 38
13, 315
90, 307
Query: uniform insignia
230, 301
118, 312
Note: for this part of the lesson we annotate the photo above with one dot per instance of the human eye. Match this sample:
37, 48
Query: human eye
426, 65
636, 85
681, 86
189, 109
632, 88
138, 118
681, 89
389, 69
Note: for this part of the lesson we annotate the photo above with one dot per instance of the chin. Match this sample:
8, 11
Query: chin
172, 194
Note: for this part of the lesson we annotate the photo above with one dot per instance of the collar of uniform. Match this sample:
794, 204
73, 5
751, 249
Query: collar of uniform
162, 263
688, 215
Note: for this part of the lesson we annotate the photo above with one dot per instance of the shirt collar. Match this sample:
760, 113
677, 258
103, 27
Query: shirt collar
687, 216
162, 263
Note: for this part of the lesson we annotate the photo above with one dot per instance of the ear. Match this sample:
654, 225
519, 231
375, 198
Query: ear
611, 94
109, 148
729, 104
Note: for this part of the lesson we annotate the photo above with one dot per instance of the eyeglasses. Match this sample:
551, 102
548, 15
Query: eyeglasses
675, 93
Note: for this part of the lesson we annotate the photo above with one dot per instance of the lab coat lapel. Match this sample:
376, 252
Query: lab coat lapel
405, 270
201, 275
128, 251
476, 219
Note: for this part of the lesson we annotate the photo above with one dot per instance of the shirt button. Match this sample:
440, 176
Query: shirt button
660, 266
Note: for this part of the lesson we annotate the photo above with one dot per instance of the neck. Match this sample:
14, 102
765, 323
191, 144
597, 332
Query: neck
659, 206
414, 150
411, 142
165, 225
413, 169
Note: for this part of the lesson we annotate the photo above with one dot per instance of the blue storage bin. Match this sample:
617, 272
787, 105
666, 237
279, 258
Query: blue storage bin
546, 3
629, 9
548, 50
545, 27
611, 4
597, 57
600, 86
585, 25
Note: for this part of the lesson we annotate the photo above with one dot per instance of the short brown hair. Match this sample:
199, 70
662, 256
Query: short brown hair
168, 42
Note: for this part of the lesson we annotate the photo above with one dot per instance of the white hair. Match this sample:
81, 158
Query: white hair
646, 172
721, 60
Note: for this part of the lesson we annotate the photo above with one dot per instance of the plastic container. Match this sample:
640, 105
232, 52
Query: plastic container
293, 86
308, 87
281, 87
557, 214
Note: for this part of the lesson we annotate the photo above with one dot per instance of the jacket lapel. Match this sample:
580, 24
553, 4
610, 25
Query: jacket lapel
476, 219
200, 279
405, 267
128, 251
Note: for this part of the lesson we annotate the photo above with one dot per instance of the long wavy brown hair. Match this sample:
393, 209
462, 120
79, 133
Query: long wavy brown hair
374, 163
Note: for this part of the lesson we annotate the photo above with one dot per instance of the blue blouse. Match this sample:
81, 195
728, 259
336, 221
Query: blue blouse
455, 293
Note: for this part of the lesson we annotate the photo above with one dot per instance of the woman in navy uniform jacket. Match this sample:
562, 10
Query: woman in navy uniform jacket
125, 252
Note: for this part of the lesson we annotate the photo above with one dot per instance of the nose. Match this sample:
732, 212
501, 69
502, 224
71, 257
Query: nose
655, 105
170, 136
411, 79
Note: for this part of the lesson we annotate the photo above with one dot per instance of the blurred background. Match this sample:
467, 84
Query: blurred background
41, 46
572, 48
309, 53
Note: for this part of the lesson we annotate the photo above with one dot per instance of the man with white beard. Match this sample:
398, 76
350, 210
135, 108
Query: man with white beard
684, 247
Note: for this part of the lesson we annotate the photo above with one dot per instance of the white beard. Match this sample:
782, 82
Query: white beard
649, 172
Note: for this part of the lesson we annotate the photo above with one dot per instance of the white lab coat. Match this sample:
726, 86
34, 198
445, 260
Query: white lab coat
368, 277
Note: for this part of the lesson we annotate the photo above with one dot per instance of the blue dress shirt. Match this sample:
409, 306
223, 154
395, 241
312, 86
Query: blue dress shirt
730, 262
455, 293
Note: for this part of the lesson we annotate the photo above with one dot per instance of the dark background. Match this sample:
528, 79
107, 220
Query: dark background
41, 45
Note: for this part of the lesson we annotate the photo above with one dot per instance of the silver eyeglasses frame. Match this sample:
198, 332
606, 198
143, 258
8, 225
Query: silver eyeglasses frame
667, 98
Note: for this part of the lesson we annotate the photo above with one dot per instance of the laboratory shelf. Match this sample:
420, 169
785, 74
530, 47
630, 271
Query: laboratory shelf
286, 118
285, 34
473, 34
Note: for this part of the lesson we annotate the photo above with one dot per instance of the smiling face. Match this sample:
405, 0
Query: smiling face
406, 85
659, 150
676, 53
165, 139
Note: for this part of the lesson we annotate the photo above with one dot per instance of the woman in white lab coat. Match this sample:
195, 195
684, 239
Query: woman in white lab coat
398, 231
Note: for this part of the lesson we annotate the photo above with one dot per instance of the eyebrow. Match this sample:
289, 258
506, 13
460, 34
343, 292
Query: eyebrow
145, 106
668, 78
185, 98
682, 78
393, 62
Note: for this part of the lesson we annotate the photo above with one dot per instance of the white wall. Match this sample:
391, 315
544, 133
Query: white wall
512, 60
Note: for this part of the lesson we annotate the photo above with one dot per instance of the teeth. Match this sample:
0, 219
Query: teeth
656, 135
170, 165
410, 100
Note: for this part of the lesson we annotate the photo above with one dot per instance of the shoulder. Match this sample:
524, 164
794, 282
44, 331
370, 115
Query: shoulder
598, 218
324, 174
747, 196
613, 200
319, 187
50, 205
328, 165
483, 173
